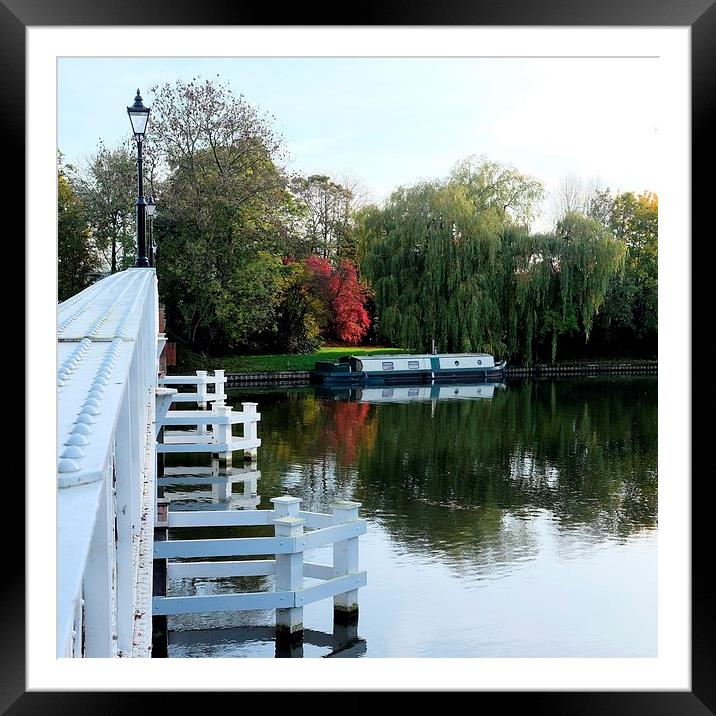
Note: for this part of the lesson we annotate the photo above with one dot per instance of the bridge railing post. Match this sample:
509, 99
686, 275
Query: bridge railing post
128, 499
345, 561
99, 579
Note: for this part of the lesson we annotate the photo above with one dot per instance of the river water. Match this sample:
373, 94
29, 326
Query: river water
503, 521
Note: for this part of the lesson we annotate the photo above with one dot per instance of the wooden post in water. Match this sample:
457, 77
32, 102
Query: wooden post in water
345, 561
222, 432
160, 636
289, 578
201, 402
250, 429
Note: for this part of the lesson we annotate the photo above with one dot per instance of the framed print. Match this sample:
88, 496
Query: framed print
606, 83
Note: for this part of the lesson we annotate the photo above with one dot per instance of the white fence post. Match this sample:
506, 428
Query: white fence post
289, 578
345, 561
250, 428
222, 432
219, 385
201, 389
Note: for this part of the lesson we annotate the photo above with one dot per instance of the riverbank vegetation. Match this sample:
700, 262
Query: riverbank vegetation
252, 259
191, 362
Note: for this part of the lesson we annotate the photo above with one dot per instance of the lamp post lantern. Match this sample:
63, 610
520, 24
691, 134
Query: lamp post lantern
138, 117
151, 208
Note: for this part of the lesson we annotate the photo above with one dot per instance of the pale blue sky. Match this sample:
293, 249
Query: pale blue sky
390, 121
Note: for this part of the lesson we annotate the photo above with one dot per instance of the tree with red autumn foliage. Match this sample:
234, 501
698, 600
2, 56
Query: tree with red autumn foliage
345, 297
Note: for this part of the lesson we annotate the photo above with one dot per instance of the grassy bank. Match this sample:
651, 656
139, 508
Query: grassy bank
189, 362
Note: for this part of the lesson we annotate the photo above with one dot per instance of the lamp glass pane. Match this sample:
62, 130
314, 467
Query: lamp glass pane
139, 121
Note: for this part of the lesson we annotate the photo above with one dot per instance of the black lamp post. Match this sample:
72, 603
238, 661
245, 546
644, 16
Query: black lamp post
139, 116
151, 208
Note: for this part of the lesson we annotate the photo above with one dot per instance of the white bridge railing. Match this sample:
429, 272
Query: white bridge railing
112, 531
106, 382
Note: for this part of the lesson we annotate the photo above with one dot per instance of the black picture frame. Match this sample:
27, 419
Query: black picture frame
699, 15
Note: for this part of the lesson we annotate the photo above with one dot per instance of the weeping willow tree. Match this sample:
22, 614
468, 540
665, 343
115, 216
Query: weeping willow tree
453, 261
556, 283
432, 261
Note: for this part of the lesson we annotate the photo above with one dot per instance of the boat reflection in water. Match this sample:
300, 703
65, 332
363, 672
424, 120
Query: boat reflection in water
410, 393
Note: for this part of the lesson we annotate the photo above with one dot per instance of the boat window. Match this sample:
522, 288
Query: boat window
479, 361
387, 392
457, 362
387, 365
413, 391
413, 364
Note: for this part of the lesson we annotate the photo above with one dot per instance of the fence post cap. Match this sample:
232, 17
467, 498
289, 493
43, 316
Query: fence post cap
289, 526
285, 500
345, 505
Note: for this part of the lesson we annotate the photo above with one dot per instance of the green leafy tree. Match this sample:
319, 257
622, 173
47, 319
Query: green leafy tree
629, 318
327, 225
303, 313
107, 187
557, 283
223, 207
76, 260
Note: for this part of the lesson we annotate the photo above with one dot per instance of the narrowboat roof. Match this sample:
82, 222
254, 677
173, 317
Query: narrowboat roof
390, 356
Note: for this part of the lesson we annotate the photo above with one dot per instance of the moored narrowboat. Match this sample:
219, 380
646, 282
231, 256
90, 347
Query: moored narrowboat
403, 368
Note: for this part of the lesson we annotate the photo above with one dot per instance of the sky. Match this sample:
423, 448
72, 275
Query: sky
395, 121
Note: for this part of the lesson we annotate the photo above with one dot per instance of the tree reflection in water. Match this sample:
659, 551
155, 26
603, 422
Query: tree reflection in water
455, 474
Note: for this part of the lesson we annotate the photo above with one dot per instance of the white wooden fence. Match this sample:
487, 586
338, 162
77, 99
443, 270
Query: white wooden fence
106, 382
202, 380
339, 580
220, 439
221, 419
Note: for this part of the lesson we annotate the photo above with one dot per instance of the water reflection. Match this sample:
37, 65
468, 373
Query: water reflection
525, 517
259, 640
199, 487
445, 468
410, 393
